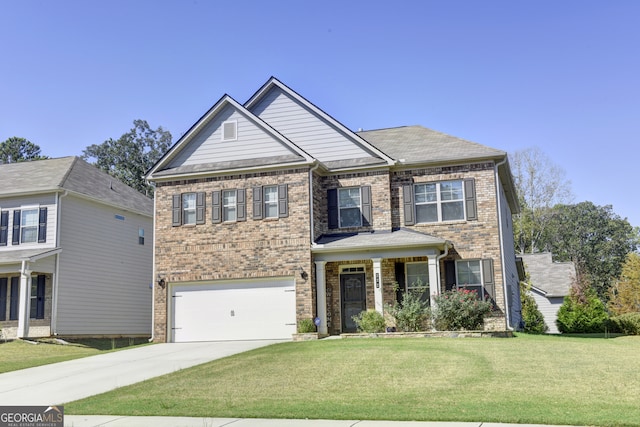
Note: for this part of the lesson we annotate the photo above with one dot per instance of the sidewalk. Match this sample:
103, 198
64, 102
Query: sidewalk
123, 421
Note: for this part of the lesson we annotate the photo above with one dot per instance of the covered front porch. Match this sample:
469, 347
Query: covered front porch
357, 272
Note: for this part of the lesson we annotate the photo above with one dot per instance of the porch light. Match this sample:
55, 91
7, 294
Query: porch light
161, 282
303, 274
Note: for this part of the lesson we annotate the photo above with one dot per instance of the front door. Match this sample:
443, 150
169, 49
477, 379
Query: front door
353, 294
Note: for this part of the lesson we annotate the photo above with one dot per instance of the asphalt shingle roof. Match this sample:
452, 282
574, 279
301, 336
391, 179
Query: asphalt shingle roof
381, 239
74, 175
553, 278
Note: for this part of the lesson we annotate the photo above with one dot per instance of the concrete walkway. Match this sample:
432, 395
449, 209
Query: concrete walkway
58, 383
115, 421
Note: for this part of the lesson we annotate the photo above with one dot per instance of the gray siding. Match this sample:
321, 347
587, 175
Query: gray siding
252, 142
511, 271
549, 308
46, 200
104, 273
305, 129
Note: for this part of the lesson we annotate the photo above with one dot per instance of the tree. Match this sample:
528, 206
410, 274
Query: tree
594, 238
582, 311
17, 149
625, 295
531, 315
540, 185
129, 157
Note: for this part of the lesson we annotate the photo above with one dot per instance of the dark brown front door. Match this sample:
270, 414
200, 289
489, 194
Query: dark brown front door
353, 295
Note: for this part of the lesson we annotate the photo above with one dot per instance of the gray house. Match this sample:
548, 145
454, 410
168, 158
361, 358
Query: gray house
76, 251
550, 283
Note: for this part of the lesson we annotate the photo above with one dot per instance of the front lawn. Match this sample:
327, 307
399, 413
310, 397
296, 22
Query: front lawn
527, 379
20, 354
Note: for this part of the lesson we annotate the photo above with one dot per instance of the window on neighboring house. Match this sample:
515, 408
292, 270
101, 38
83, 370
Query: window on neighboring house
349, 207
439, 201
271, 202
4, 228
141, 236
187, 209
417, 278
37, 297
29, 226
230, 130
229, 199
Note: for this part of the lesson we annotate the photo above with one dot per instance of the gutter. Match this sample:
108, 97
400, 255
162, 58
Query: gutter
56, 279
501, 233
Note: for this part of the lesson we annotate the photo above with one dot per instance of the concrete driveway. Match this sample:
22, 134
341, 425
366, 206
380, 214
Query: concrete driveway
63, 382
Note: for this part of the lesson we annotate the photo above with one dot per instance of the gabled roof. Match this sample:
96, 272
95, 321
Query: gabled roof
418, 145
74, 175
163, 169
552, 279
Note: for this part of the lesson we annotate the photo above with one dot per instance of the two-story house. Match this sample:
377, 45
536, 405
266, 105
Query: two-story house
76, 252
272, 211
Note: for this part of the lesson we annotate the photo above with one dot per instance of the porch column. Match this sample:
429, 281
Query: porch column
321, 296
24, 303
377, 283
434, 279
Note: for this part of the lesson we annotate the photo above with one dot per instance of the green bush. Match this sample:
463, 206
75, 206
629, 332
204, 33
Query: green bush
369, 321
411, 313
306, 326
582, 312
531, 316
627, 323
460, 310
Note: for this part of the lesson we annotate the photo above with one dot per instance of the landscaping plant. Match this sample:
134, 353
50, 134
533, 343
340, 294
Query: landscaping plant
370, 321
582, 312
460, 310
411, 313
531, 316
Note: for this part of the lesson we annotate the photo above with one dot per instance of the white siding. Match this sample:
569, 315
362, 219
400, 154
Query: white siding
104, 274
252, 142
305, 129
48, 201
511, 271
549, 308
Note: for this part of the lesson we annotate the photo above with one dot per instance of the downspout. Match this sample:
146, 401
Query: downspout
153, 273
55, 282
501, 234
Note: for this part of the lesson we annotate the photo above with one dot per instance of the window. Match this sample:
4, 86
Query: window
271, 202
469, 276
189, 208
230, 130
417, 275
442, 201
349, 207
29, 226
229, 198
141, 236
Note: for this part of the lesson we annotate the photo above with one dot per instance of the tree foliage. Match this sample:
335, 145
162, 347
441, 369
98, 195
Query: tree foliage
540, 184
594, 238
531, 316
129, 157
625, 295
582, 311
17, 149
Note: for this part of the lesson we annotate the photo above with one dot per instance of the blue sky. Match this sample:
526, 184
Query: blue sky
560, 75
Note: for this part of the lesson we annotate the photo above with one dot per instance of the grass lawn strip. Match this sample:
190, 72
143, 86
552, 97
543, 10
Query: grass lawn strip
528, 379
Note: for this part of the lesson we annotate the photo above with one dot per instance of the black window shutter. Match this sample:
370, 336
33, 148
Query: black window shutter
332, 202
257, 202
176, 211
200, 207
365, 192
216, 207
42, 226
470, 199
409, 208
15, 239
40, 297
15, 295
3, 298
283, 203
241, 204
4, 227
449, 275
488, 280
400, 279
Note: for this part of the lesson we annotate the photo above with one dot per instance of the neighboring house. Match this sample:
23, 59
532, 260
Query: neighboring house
550, 283
272, 211
76, 252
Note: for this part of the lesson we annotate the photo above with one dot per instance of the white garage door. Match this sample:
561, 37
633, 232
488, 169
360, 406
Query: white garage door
237, 310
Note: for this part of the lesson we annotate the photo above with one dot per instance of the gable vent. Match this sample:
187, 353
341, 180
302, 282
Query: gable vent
230, 131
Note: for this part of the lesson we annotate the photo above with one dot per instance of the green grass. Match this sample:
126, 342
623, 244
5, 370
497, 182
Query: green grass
19, 354
528, 379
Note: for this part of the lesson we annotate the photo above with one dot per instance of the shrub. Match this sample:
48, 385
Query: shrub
628, 323
411, 313
531, 316
458, 310
369, 321
306, 326
582, 312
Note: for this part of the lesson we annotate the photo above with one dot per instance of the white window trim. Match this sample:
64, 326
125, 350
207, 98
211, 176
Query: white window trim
185, 209
352, 269
225, 206
468, 285
406, 275
439, 201
353, 207
22, 226
222, 130
269, 203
